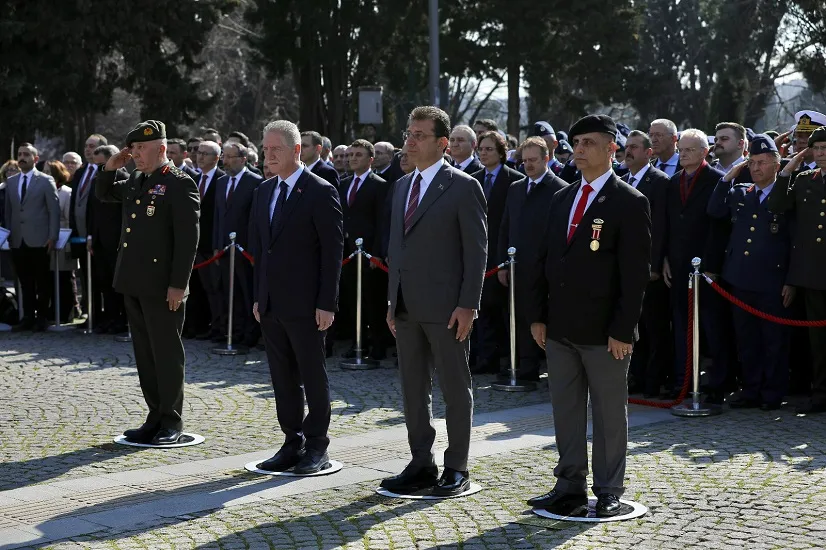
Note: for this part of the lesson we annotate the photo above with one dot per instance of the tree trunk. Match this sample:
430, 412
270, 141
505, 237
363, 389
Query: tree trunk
514, 103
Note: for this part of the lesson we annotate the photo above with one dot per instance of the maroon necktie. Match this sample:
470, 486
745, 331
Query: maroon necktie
86, 179
351, 198
579, 211
231, 188
412, 203
202, 187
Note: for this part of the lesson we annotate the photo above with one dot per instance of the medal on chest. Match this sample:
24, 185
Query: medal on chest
596, 233
774, 227
150, 210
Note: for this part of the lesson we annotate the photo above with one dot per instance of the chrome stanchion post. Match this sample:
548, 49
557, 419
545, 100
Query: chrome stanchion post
57, 327
696, 408
229, 350
513, 384
358, 362
88, 329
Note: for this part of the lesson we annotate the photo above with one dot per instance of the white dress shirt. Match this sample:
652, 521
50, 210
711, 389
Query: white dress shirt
208, 180
290, 181
237, 177
427, 176
29, 177
597, 186
361, 177
637, 178
462, 165
671, 166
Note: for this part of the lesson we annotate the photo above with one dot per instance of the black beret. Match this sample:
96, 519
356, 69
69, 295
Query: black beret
148, 130
817, 135
593, 123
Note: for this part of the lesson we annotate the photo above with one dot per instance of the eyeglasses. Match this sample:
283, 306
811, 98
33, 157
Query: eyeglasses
192, 149
418, 137
207, 153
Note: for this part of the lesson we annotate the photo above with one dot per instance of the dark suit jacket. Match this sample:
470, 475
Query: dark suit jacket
496, 206
587, 295
327, 172
79, 250
191, 172
654, 186
690, 233
473, 167
298, 261
235, 215
570, 173
391, 173
208, 212
363, 218
104, 219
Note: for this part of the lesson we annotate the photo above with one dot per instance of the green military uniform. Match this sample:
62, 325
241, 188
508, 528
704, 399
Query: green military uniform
157, 249
805, 194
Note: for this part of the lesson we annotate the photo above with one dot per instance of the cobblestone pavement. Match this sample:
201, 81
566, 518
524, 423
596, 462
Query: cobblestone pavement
63, 397
744, 480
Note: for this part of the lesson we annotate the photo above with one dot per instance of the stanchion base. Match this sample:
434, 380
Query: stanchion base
358, 364
235, 350
187, 440
123, 338
425, 494
59, 328
332, 467
4, 327
628, 510
688, 410
88, 331
514, 386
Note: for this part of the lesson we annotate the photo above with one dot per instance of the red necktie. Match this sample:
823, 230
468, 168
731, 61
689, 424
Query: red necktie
202, 187
231, 188
579, 211
351, 198
86, 179
412, 203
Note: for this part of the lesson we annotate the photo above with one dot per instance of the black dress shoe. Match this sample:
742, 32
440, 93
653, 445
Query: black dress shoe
561, 504
23, 325
412, 479
770, 406
740, 402
608, 505
349, 354
167, 436
312, 462
716, 397
453, 482
40, 325
218, 338
144, 434
283, 460
810, 407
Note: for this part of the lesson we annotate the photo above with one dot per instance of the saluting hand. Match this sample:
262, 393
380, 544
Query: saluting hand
174, 297
119, 160
735, 171
463, 318
794, 164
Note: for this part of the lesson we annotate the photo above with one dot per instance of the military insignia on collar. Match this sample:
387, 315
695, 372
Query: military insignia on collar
147, 131
158, 190
165, 169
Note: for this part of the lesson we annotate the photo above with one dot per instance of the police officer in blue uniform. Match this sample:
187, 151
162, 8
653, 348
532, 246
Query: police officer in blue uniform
755, 266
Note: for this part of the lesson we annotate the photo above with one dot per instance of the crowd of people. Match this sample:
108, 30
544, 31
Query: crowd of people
699, 187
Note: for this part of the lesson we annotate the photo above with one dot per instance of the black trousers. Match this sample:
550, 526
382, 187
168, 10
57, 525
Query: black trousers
108, 304
380, 336
491, 339
36, 280
654, 352
243, 323
210, 276
160, 357
529, 355
816, 311
295, 353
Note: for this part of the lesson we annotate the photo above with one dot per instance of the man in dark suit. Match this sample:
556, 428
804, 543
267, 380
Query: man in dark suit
384, 165
489, 341
462, 146
209, 276
177, 153
296, 221
653, 354
691, 233
103, 224
311, 143
363, 197
158, 243
240, 137
233, 201
588, 290
437, 257
523, 225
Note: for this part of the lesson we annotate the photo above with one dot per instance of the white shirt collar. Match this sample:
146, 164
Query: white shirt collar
429, 173
464, 164
310, 167
673, 161
361, 177
598, 183
208, 175
293, 178
725, 169
638, 176
535, 182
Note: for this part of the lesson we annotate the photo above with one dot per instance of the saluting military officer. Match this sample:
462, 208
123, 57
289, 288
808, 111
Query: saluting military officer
755, 265
161, 207
805, 193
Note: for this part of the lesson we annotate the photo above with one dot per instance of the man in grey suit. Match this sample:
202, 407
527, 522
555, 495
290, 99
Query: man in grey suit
437, 255
33, 217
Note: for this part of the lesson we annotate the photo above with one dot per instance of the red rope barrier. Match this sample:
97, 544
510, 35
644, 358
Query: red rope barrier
247, 255
348, 259
757, 313
687, 379
378, 263
209, 261
495, 270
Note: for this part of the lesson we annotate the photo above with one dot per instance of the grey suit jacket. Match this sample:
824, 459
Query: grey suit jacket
440, 264
38, 218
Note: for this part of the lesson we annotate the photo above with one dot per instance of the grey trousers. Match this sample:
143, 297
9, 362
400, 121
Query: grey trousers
421, 348
574, 371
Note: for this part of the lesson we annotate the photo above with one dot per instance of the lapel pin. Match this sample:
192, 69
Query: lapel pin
441, 186
601, 199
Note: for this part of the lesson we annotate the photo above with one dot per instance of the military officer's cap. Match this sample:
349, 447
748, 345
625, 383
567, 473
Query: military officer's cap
809, 121
563, 147
562, 136
148, 130
623, 129
761, 143
543, 128
750, 134
602, 124
621, 139
818, 135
